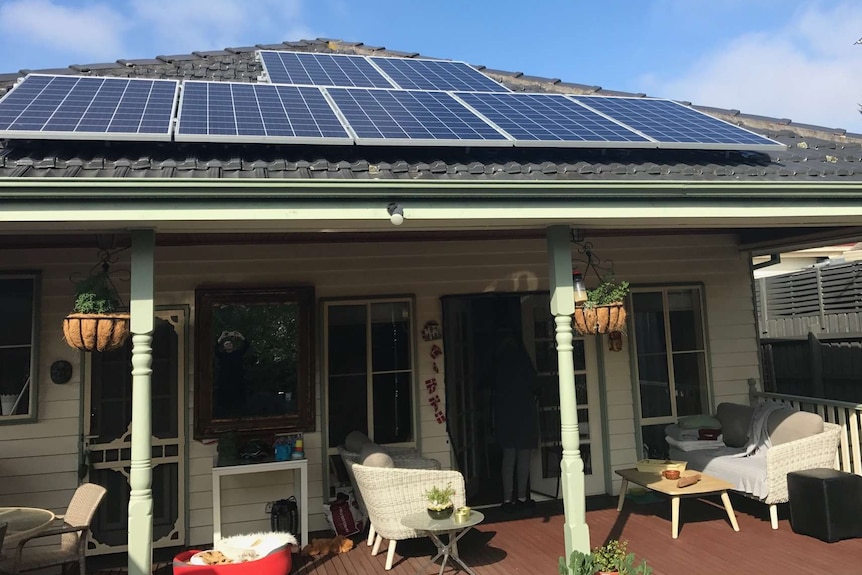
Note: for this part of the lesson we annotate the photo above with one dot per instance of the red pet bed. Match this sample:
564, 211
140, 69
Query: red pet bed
279, 562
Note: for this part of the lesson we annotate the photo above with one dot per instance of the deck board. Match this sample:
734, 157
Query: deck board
505, 545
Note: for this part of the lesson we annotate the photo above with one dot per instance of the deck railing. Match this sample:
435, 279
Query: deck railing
847, 415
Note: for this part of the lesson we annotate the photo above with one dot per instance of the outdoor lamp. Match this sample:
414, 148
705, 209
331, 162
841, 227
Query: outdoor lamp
579, 288
396, 214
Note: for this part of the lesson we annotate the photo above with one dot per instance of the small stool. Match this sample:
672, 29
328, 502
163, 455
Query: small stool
825, 503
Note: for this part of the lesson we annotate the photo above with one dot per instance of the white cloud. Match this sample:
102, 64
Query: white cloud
808, 71
187, 25
91, 32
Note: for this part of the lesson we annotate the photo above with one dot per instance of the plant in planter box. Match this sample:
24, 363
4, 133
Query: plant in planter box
603, 310
610, 558
440, 504
95, 324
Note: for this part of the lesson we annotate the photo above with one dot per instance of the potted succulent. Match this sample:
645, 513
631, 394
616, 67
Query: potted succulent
95, 324
440, 505
612, 558
602, 311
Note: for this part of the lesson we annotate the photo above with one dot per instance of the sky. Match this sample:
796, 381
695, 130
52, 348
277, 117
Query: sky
795, 59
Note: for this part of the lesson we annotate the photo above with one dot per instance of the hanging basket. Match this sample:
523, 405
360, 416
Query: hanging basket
96, 332
600, 319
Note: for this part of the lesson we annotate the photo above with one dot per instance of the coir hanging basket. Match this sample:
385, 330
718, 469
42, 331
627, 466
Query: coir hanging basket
600, 319
96, 332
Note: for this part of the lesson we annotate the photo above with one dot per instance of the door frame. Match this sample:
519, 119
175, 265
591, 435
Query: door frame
596, 483
163, 312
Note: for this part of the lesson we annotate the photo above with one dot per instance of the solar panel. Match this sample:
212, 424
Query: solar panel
673, 125
392, 117
550, 119
417, 74
87, 108
238, 112
312, 69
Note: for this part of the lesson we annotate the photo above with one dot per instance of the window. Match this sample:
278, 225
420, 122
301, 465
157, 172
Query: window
670, 347
18, 350
369, 369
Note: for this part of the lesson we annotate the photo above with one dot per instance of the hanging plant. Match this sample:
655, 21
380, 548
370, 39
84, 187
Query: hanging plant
601, 309
604, 310
95, 323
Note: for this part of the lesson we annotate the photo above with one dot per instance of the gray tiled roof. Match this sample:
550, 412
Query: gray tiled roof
815, 154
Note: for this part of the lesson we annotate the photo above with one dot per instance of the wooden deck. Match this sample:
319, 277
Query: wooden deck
706, 544
505, 545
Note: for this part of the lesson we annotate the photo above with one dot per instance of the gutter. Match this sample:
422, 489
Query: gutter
196, 188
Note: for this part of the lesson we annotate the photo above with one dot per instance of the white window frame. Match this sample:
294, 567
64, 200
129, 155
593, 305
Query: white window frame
669, 352
370, 373
32, 408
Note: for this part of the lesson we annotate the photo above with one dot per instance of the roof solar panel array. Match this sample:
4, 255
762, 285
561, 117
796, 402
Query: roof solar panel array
315, 98
417, 74
549, 119
238, 112
312, 69
669, 123
78, 107
400, 116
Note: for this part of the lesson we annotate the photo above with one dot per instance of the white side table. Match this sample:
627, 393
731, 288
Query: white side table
298, 466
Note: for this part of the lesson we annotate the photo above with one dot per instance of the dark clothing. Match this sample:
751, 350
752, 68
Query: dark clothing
515, 410
229, 392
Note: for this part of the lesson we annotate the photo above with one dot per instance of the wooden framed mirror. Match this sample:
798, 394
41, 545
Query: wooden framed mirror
254, 360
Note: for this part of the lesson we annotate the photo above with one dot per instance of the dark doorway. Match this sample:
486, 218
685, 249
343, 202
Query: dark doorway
469, 327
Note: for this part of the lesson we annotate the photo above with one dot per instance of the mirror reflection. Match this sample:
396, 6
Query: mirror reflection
254, 359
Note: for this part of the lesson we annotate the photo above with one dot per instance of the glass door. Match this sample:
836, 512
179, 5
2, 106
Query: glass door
540, 339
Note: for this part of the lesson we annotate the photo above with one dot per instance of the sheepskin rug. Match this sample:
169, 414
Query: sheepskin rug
252, 546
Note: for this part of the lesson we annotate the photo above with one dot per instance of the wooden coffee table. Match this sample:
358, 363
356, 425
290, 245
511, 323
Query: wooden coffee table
653, 481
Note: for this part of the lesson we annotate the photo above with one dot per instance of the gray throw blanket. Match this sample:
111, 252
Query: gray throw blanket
758, 432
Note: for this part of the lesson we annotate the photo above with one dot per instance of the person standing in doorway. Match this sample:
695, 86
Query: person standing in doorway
515, 416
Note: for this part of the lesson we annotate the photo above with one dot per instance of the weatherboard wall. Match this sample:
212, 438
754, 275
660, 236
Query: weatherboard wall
39, 461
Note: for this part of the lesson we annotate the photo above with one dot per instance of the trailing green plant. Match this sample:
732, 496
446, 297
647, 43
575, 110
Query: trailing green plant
610, 557
440, 498
96, 294
606, 293
579, 564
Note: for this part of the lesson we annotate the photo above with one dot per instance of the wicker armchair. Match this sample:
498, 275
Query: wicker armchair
393, 493
73, 536
402, 457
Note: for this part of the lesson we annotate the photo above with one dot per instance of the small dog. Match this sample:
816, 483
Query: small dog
336, 545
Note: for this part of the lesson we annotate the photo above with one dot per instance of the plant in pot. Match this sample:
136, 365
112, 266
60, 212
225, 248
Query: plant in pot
601, 309
612, 558
95, 324
440, 504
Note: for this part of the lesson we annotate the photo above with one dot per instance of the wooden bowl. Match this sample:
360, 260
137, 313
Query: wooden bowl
670, 474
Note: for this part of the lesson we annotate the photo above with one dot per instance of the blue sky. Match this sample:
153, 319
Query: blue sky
787, 58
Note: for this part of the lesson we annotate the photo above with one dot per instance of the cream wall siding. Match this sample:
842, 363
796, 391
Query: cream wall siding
659, 260
38, 462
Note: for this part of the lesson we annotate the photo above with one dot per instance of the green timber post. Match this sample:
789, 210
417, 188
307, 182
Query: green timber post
141, 474
577, 533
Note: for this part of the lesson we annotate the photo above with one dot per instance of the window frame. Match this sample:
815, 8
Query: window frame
325, 304
700, 294
32, 414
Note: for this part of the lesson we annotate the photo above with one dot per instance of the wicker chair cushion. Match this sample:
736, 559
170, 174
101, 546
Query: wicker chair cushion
786, 425
355, 440
372, 455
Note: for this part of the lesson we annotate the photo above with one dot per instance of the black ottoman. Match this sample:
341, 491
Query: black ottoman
825, 503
